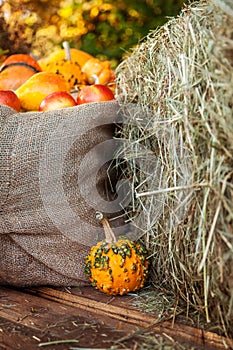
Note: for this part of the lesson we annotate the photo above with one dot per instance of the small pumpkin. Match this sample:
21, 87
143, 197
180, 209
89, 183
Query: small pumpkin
16, 69
69, 70
78, 56
98, 72
68, 67
116, 266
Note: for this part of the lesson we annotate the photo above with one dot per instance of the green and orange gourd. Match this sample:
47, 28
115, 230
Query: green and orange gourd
116, 266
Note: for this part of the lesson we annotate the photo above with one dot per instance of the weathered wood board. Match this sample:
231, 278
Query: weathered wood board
85, 318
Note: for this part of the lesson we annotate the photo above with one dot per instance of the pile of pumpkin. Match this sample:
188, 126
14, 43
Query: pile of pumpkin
65, 78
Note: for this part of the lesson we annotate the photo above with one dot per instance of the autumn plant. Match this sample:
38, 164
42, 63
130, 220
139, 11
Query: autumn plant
102, 28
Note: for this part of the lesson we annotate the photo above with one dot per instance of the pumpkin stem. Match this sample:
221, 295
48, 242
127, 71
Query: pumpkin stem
66, 47
95, 79
109, 234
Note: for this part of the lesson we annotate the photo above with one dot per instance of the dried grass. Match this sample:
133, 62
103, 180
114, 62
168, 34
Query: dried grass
176, 89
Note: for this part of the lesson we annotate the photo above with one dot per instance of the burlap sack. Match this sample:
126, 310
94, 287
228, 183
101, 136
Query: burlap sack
53, 177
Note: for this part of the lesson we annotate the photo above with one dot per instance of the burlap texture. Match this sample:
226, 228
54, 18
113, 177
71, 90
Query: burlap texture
46, 224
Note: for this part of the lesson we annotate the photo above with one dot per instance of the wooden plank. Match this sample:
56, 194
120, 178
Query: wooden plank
15, 341
179, 332
27, 319
47, 314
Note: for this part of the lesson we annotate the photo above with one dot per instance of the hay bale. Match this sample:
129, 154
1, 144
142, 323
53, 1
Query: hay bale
176, 89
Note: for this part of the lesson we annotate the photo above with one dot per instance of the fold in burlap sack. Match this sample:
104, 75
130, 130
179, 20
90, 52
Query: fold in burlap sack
53, 177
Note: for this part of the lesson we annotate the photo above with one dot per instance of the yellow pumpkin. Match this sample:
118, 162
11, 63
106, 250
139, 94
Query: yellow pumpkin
37, 87
116, 266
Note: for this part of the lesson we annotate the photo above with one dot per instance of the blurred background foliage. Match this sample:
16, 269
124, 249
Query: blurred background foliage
107, 29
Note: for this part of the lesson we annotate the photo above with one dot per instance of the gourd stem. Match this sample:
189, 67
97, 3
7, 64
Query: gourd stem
66, 47
95, 79
109, 234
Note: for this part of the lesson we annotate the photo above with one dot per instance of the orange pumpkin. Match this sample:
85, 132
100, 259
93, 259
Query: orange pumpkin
67, 63
98, 72
76, 55
116, 266
16, 69
69, 70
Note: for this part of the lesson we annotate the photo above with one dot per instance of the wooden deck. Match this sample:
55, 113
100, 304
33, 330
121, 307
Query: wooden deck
77, 318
